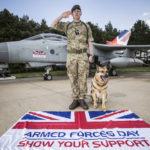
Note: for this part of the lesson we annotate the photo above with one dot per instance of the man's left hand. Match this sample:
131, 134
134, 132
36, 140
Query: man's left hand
90, 59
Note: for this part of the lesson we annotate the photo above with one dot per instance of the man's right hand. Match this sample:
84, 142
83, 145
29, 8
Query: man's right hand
66, 14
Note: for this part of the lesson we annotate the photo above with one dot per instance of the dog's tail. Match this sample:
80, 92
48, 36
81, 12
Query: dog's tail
121, 39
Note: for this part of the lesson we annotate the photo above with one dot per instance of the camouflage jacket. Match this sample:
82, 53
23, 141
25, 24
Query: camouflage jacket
76, 34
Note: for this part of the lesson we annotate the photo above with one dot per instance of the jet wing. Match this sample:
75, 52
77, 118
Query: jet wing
106, 47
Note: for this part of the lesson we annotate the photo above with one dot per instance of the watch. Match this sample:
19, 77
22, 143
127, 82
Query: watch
91, 55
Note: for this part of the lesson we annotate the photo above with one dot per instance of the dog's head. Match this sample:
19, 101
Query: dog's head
101, 74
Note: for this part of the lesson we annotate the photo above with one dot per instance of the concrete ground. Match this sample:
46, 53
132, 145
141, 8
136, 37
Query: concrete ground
129, 91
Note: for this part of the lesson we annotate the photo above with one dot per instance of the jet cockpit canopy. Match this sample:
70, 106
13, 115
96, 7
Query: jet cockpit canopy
48, 36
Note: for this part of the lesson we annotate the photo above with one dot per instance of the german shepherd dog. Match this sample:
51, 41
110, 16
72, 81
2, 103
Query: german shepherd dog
99, 86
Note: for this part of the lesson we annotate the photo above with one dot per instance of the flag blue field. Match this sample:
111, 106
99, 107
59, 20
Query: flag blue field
78, 130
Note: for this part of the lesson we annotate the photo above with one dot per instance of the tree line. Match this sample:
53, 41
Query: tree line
13, 28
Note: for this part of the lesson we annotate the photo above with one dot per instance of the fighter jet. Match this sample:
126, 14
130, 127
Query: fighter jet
46, 49
42, 50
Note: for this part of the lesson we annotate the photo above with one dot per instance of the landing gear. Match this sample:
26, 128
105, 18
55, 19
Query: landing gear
47, 75
112, 72
4, 73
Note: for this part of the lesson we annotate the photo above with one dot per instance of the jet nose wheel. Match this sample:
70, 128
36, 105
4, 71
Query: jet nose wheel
47, 77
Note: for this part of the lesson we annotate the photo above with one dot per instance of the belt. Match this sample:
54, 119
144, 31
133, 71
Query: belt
75, 51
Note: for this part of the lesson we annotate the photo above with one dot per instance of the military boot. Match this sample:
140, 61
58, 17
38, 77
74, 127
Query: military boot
74, 104
83, 104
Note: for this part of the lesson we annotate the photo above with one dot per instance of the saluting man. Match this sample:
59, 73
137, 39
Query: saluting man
80, 38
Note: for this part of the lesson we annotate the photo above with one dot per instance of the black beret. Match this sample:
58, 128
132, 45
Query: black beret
75, 7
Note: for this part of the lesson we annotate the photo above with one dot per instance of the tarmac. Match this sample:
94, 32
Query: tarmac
128, 91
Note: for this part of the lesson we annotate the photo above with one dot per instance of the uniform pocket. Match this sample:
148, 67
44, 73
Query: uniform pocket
84, 64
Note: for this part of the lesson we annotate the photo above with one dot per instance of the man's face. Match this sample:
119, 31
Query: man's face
76, 14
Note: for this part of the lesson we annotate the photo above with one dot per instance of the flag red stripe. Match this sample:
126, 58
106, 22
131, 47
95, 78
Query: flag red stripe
45, 125
105, 116
89, 125
39, 115
116, 124
81, 123
112, 124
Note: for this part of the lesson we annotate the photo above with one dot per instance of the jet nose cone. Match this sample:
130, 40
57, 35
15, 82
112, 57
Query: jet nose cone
3, 52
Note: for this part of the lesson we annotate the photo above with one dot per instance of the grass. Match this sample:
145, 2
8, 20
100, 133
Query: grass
135, 69
39, 74
64, 72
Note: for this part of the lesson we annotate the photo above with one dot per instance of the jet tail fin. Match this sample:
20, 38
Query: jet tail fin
121, 39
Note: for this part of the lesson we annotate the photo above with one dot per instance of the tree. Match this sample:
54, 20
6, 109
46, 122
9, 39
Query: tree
140, 33
44, 27
110, 33
97, 33
8, 24
109, 27
13, 28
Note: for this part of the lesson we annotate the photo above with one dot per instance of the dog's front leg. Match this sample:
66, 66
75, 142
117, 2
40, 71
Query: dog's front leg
94, 98
104, 99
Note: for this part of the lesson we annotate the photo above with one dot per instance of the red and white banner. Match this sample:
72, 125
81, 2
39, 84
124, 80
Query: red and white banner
114, 130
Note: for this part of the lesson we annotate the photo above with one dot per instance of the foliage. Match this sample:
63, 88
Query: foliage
13, 28
135, 69
140, 33
110, 32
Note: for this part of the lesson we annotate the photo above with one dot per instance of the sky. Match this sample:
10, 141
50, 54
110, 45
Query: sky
121, 13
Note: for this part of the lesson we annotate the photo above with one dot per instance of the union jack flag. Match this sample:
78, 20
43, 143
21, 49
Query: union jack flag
80, 120
36, 52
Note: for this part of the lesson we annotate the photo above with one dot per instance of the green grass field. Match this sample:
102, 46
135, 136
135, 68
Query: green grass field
135, 69
64, 72
39, 74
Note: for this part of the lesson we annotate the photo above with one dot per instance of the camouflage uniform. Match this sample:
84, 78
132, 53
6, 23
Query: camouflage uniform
77, 59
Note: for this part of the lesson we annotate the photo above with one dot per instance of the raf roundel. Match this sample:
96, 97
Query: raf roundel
52, 51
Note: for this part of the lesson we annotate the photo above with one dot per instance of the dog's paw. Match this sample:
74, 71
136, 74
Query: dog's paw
103, 107
95, 105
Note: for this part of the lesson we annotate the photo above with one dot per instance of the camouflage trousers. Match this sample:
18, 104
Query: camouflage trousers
78, 70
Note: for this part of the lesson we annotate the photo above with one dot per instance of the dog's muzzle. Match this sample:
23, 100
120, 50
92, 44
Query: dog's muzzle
104, 78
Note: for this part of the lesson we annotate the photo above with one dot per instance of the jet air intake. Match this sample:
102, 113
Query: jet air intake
3, 52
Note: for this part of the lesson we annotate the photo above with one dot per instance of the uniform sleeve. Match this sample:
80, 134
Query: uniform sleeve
61, 26
90, 37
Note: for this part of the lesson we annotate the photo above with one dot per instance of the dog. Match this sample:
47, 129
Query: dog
99, 86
